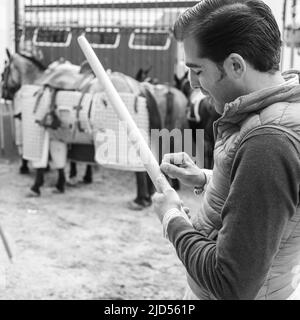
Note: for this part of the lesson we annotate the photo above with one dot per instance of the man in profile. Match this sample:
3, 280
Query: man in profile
245, 240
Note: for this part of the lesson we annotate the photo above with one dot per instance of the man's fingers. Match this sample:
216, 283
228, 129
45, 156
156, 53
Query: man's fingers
171, 170
176, 158
186, 210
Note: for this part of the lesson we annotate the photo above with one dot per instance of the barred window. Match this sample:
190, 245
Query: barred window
103, 38
53, 37
144, 40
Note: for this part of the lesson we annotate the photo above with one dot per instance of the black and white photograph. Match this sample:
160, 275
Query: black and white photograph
149, 151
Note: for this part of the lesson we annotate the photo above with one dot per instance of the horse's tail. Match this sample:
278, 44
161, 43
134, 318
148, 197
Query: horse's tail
170, 109
155, 118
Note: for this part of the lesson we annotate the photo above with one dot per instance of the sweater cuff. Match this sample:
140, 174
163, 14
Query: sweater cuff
178, 225
171, 215
209, 174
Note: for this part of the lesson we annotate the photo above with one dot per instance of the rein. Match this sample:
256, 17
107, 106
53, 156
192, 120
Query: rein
39, 64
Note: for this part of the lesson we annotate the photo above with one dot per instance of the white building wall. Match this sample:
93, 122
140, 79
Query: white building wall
6, 28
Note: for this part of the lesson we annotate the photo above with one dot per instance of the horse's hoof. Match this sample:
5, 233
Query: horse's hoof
135, 206
58, 191
87, 181
72, 182
24, 171
33, 194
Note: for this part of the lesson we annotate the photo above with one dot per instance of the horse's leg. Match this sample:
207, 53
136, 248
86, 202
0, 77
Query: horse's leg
72, 180
60, 186
142, 187
208, 155
38, 183
73, 170
207, 160
175, 184
143, 198
151, 188
24, 168
88, 177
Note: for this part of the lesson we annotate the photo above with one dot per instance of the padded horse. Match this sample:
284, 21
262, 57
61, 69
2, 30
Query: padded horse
164, 112
167, 110
25, 70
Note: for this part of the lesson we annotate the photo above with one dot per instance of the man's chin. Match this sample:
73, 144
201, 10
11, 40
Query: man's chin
219, 107
211, 100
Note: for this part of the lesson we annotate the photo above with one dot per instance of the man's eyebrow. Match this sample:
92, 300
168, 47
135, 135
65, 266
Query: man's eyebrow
192, 65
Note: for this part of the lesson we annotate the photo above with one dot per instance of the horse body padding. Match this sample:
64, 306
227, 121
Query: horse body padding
74, 109
85, 119
33, 105
113, 150
44, 160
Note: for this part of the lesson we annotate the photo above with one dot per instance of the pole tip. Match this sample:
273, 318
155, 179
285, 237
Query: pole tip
81, 38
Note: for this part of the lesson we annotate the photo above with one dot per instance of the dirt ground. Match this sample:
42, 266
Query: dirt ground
84, 244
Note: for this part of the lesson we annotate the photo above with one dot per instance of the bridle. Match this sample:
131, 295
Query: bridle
8, 91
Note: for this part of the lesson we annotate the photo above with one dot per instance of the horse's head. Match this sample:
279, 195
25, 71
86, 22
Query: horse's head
183, 84
19, 69
143, 75
201, 109
11, 78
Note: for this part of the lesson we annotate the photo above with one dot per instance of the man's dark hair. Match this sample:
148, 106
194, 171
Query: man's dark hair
222, 27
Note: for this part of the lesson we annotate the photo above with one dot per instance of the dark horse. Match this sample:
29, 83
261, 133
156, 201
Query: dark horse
164, 112
201, 115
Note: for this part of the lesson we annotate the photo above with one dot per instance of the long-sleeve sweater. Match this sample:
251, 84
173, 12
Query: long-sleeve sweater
264, 195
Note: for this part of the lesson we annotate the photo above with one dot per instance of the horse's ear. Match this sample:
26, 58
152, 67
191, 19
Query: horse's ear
177, 81
139, 75
8, 53
148, 70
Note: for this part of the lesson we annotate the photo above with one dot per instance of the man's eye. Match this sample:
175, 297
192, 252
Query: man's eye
198, 73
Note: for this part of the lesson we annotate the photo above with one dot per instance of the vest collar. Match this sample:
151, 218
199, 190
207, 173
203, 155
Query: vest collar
239, 110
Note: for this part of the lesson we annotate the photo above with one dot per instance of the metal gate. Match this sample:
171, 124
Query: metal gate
127, 35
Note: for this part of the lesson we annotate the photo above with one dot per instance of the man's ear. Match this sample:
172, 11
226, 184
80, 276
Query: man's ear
235, 66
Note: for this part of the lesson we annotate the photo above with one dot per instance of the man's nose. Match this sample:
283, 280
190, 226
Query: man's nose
194, 81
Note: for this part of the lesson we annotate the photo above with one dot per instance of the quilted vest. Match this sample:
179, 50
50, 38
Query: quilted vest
277, 107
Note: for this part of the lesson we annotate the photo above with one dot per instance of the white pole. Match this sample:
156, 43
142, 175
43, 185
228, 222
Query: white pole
138, 140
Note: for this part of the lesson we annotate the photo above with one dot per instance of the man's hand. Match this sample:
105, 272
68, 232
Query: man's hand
165, 201
180, 166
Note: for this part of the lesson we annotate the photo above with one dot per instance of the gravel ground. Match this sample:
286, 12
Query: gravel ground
84, 244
